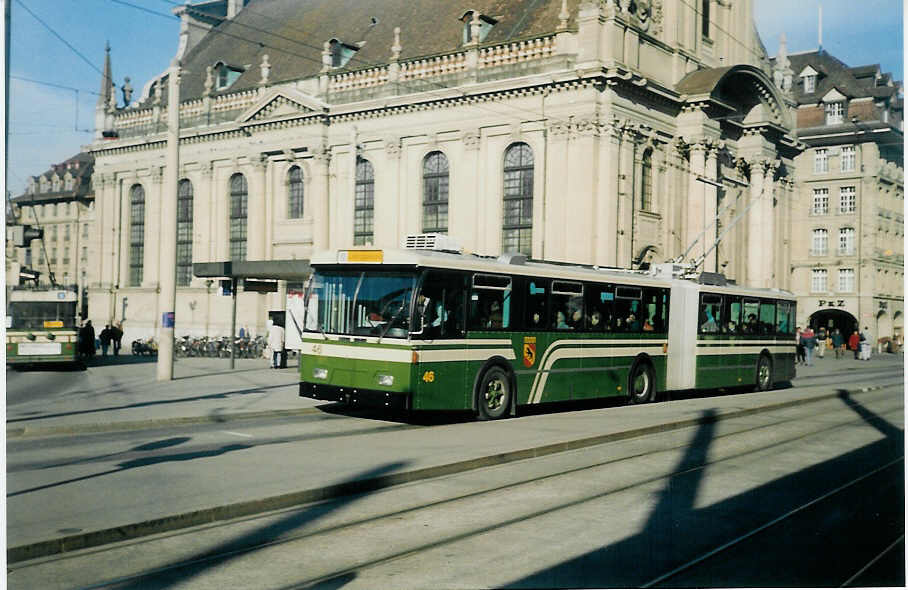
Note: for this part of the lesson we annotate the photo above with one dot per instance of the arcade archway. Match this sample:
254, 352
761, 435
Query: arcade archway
833, 319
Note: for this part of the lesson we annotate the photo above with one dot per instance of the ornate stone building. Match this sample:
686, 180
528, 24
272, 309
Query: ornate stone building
848, 265
571, 131
61, 203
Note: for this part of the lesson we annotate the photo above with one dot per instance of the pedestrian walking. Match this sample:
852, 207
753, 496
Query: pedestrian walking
821, 342
87, 340
276, 344
864, 339
800, 351
116, 334
105, 338
854, 342
838, 343
810, 341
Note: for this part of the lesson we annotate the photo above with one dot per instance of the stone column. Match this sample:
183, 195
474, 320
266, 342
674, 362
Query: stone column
626, 152
321, 159
754, 222
768, 232
255, 228
208, 236
710, 203
697, 208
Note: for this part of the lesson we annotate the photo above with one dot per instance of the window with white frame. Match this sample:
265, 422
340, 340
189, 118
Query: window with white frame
818, 280
846, 280
847, 199
846, 241
835, 113
819, 246
848, 158
810, 83
820, 161
820, 201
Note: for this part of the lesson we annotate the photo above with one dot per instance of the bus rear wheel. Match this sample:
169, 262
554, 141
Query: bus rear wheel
493, 397
764, 373
641, 384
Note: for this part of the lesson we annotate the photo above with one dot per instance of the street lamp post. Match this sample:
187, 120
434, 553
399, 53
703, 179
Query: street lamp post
168, 233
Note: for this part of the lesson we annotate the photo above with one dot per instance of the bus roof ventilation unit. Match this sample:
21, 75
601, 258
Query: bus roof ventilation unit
713, 278
435, 242
513, 258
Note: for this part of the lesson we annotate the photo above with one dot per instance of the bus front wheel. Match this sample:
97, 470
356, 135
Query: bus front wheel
764, 373
641, 384
493, 398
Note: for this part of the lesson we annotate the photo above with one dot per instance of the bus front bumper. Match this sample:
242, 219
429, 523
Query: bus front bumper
355, 395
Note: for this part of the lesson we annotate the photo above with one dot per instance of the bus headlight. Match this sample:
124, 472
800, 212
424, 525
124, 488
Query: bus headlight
386, 380
319, 373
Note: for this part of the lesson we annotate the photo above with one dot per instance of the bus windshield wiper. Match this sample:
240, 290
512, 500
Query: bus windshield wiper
393, 319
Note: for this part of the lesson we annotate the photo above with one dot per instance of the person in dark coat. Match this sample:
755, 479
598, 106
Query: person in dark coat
87, 340
105, 338
116, 334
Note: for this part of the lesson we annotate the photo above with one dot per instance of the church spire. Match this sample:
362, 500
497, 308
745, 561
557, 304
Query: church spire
106, 80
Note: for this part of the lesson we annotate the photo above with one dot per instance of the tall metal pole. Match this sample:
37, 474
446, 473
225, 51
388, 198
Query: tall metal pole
233, 285
168, 234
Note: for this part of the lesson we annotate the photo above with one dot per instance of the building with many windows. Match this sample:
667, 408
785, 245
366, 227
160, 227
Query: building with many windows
848, 255
596, 132
60, 202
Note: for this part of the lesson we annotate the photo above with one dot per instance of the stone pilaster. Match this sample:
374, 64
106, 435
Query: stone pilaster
321, 158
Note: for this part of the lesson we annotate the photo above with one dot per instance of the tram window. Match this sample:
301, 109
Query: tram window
566, 306
536, 309
751, 317
767, 317
732, 314
784, 318
490, 302
710, 313
628, 309
599, 303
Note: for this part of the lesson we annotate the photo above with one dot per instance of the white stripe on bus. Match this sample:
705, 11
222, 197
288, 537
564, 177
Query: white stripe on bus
732, 350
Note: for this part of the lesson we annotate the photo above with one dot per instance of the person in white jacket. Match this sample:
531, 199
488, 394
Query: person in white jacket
276, 344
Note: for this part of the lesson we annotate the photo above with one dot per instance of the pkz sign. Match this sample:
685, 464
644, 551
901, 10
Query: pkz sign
832, 303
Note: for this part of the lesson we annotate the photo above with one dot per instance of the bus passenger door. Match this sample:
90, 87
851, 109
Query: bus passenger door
440, 321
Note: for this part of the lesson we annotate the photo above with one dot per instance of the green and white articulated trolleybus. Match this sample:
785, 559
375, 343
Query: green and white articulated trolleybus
429, 328
41, 326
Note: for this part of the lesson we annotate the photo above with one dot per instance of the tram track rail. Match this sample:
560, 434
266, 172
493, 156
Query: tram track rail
822, 429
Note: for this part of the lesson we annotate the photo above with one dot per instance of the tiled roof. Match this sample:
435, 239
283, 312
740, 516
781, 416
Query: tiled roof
293, 32
82, 176
854, 82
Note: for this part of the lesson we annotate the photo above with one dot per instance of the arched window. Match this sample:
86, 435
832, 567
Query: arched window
295, 193
364, 203
517, 226
435, 193
239, 199
184, 233
136, 234
646, 181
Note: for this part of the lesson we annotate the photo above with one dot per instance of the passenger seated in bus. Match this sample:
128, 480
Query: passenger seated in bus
710, 324
632, 324
751, 327
732, 328
560, 323
595, 320
647, 325
494, 315
577, 318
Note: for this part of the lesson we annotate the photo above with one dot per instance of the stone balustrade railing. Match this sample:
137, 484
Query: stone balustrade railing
432, 67
516, 52
360, 79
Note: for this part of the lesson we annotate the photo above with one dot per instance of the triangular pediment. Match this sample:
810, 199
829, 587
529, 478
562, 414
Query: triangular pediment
282, 104
808, 71
834, 96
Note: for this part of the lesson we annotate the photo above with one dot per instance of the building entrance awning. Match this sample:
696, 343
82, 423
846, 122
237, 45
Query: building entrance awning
287, 270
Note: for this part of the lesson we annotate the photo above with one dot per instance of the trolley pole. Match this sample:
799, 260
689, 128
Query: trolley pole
168, 247
234, 283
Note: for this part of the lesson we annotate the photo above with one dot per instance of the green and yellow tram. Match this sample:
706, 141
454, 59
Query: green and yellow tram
423, 329
41, 326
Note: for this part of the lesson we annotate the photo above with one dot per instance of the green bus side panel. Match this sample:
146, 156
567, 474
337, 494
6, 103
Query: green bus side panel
727, 370
441, 386
67, 355
356, 373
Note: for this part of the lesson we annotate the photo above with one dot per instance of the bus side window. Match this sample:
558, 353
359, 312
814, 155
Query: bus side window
567, 306
732, 314
490, 302
784, 318
654, 310
440, 305
599, 299
767, 317
628, 309
751, 317
710, 313
535, 304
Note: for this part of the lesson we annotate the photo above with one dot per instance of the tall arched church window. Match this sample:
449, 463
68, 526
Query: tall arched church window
295, 193
136, 234
364, 203
435, 193
646, 181
517, 226
239, 210
184, 233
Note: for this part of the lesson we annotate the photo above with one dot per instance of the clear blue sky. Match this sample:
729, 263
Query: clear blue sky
48, 124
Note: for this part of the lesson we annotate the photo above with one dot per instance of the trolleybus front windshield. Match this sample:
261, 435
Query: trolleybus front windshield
38, 315
360, 303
